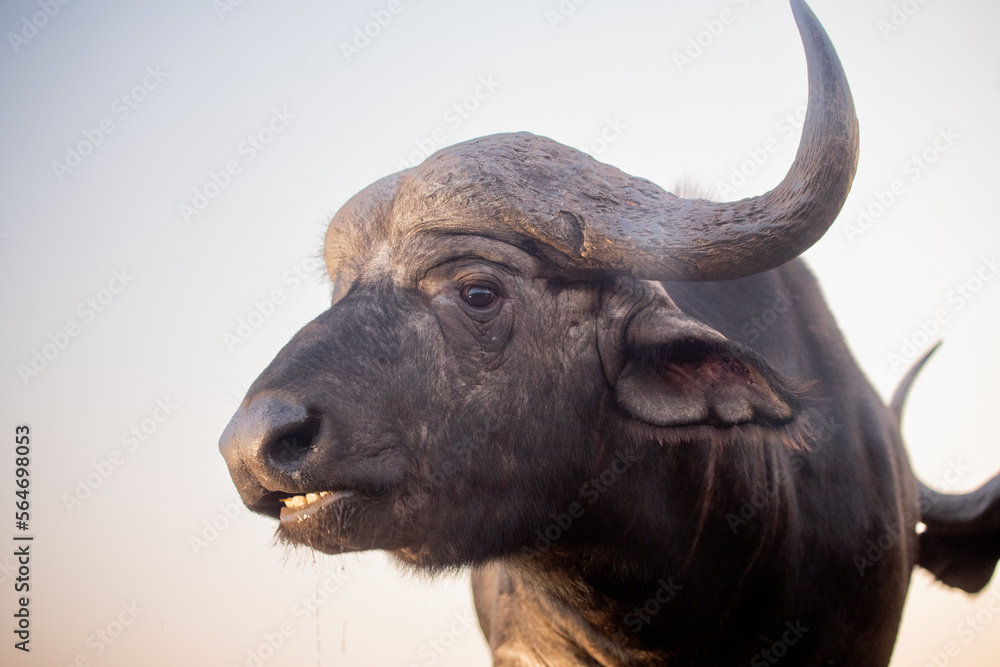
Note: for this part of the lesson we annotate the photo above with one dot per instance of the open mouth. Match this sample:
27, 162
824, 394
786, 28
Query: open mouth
301, 507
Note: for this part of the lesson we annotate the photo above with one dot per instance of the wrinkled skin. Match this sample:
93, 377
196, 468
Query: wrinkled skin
445, 380
637, 472
463, 432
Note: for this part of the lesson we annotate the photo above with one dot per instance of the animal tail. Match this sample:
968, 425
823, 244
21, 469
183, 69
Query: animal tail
961, 543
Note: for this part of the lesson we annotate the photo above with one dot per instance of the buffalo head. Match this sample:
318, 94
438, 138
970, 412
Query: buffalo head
497, 329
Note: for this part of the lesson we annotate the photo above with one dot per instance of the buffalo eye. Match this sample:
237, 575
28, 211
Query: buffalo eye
480, 297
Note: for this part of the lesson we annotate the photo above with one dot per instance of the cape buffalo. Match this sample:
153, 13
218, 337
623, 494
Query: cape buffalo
537, 365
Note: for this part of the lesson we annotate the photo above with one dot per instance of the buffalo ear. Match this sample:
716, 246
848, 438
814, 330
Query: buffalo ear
677, 371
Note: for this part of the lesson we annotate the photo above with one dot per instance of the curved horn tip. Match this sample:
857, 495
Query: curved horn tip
903, 390
804, 15
780, 225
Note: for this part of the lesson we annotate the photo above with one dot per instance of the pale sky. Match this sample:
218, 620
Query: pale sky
167, 171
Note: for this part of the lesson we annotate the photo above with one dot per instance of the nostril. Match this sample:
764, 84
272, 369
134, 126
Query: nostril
285, 449
266, 444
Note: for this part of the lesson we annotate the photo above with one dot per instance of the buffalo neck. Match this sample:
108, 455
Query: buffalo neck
642, 575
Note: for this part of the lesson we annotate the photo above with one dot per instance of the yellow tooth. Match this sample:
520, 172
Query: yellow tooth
307, 499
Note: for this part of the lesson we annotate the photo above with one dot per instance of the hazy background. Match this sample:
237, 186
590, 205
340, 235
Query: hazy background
605, 80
